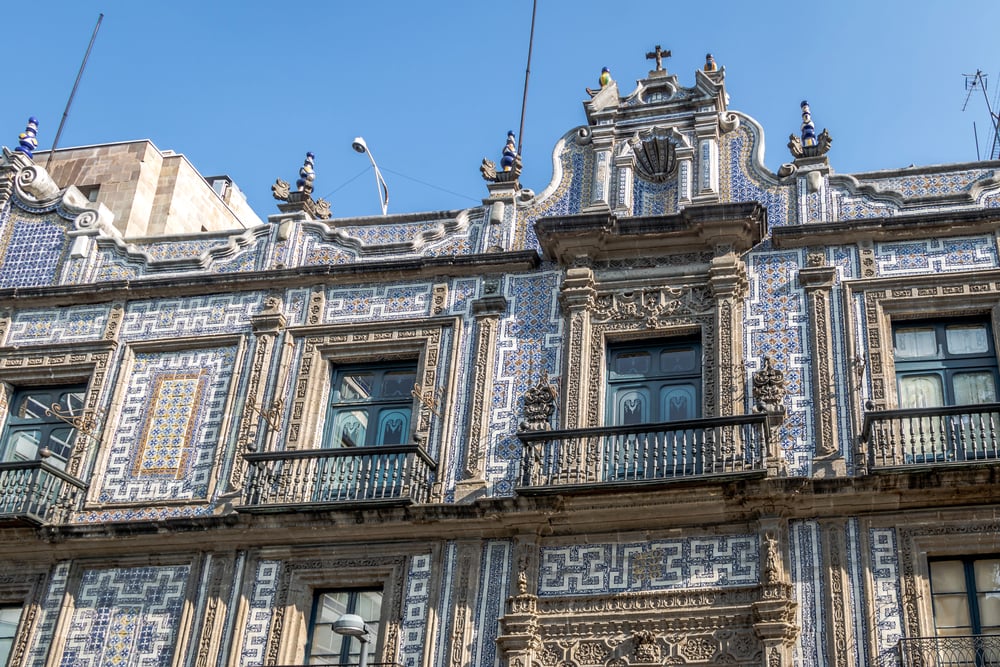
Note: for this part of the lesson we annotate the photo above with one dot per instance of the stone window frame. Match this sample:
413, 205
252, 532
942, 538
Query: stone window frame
313, 570
885, 301
229, 423
618, 314
53, 365
26, 589
363, 342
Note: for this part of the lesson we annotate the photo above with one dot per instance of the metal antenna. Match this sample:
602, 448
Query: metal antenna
972, 82
527, 74
79, 74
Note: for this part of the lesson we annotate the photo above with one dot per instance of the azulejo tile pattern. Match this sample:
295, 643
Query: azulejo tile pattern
938, 184
378, 302
126, 616
775, 327
673, 564
529, 342
741, 182
806, 576
72, 324
32, 250
494, 584
203, 315
263, 593
936, 255
168, 431
44, 636
415, 607
887, 612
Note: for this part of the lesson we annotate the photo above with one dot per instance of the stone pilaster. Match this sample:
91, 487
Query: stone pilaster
817, 281
774, 613
487, 310
520, 640
837, 598
728, 282
261, 421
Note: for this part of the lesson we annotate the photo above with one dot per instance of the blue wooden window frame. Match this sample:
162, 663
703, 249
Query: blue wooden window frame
943, 363
32, 425
371, 405
656, 381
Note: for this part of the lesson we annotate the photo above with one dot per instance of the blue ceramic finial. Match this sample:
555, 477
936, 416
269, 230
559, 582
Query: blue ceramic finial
808, 129
509, 153
605, 77
710, 65
306, 174
26, 140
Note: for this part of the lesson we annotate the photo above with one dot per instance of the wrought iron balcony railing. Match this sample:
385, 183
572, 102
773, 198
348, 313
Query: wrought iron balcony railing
967, 651
665, 451
932, 435
323, 476
36, 493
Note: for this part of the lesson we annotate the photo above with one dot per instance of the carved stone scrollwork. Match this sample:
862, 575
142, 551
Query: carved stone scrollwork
769, 388
539, 405
654, 306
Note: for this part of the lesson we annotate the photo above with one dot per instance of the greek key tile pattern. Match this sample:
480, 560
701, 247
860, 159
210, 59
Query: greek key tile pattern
807, 575
378, 302
888, 611
693, 562
172, 318
73, 324
258, 623
936, 255
414, 626
43, 637
529, 341
127, 617
169, 428
494, 584
775, 326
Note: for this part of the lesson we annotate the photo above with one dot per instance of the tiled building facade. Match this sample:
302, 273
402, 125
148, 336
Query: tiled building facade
673, 409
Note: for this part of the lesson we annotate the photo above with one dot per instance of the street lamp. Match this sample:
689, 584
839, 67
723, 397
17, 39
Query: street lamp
383, 190
352, 625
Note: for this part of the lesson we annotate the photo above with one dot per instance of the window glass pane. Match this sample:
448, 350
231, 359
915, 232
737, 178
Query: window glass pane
398, 384
329, 648
33, 405
948, 576
916, 342
71, 401
989, 608
678, 361
8, 630
394, 427
987, 573
677, 403
22, 444
637, 362
967, 339
951, 611
350, 428
632, 407
975, 387
920, 391
355, 387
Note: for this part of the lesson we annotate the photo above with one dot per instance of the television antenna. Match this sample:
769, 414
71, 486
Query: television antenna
975, 82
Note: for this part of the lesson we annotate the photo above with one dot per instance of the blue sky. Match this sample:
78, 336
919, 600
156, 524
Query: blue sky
246, 88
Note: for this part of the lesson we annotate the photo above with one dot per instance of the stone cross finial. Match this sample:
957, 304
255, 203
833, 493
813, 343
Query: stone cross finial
658, 54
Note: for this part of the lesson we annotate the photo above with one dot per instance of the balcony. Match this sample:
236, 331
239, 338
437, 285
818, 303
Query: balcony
968, 651
320, 477
921, 436
667, 451
36, 493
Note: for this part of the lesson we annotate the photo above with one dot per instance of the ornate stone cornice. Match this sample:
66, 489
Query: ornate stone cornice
601, 236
